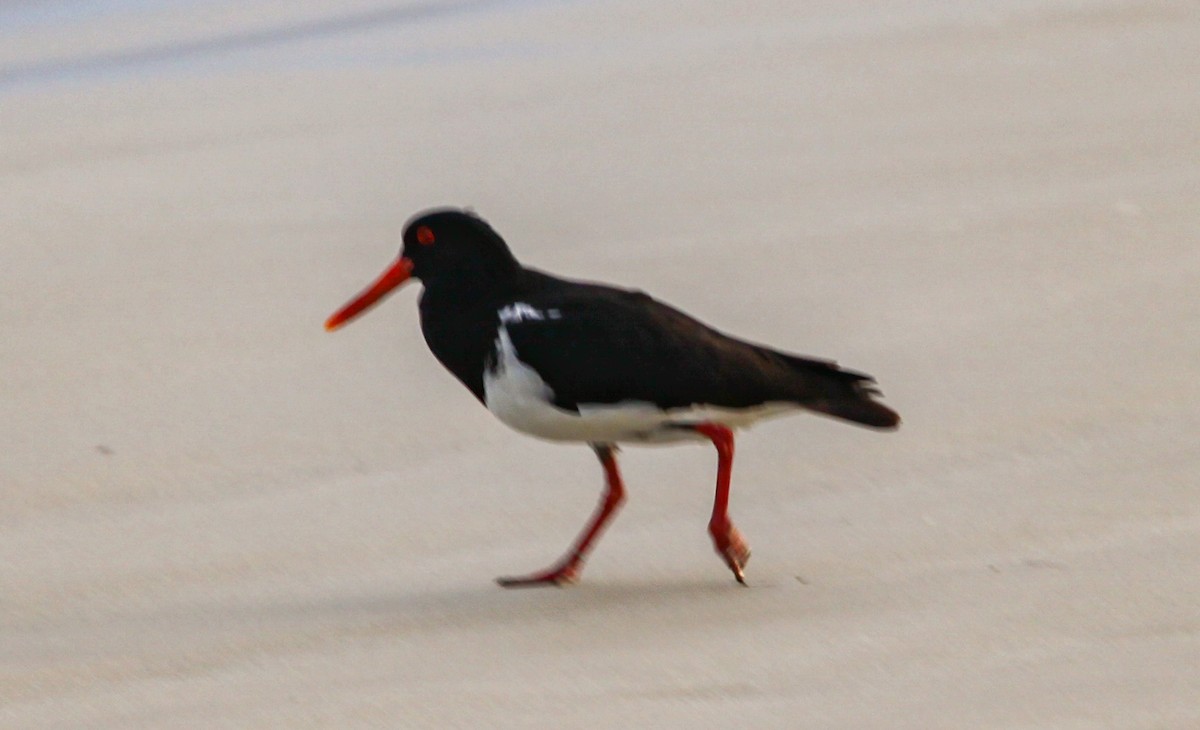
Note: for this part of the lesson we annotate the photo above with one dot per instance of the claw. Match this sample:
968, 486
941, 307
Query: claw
560, 576
732, 547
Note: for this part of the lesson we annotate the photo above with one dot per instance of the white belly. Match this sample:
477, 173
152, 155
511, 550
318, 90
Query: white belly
518, 396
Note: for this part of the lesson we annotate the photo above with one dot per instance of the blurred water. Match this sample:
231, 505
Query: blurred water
23, 15
120, 36
74, 40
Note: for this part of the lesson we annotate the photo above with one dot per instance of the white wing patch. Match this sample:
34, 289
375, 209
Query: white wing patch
522, 312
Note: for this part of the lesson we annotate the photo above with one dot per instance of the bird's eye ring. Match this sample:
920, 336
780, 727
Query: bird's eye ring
425, 236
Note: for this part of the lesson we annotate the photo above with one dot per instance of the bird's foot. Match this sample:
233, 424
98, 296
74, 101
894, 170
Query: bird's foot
560, 575
732, 547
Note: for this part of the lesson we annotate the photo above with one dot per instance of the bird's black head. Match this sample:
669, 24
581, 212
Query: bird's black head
458, 250
454, 253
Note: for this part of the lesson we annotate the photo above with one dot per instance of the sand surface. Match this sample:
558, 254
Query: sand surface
213, 514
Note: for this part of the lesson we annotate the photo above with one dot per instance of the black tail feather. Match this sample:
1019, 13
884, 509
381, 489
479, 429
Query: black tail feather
862, 411
845, 394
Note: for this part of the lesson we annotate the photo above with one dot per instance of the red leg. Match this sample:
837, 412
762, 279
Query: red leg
728, 541
567, 569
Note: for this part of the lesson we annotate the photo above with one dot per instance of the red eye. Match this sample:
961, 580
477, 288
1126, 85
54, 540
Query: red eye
425, 236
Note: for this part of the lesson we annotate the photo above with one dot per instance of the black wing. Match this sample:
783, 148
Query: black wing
600, 344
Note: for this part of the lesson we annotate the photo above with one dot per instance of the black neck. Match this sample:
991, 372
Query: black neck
459, 320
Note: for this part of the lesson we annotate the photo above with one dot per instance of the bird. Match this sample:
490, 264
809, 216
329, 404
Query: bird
576, 361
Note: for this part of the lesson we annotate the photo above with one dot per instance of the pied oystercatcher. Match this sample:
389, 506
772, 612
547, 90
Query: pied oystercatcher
576, 361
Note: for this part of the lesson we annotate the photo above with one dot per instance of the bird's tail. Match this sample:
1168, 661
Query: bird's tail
843, 394
865, 412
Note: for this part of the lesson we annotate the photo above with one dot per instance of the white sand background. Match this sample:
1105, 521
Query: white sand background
213, 514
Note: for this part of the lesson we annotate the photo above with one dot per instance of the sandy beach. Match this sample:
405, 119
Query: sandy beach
214, 514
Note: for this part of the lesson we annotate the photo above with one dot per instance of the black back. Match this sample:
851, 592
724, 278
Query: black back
611, 345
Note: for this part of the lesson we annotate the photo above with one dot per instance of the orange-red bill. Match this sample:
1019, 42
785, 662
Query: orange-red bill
397, 274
